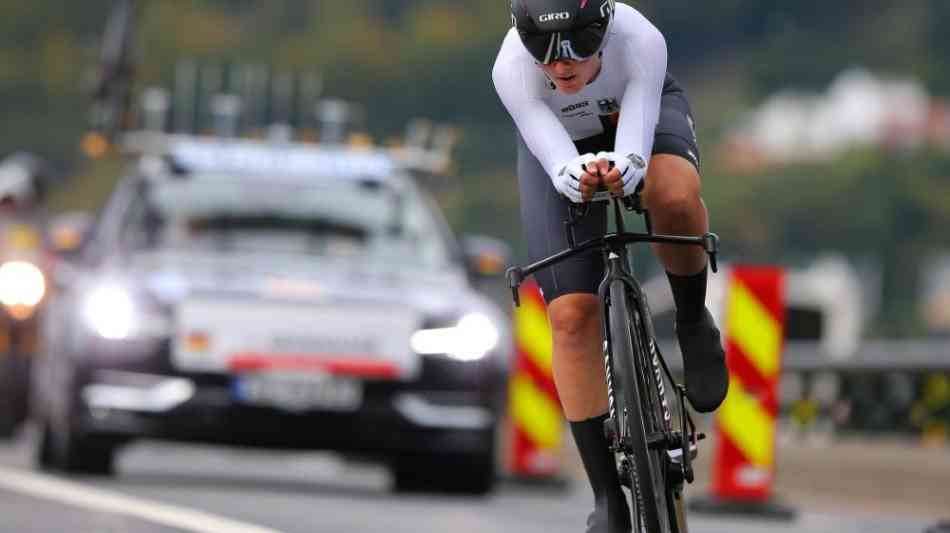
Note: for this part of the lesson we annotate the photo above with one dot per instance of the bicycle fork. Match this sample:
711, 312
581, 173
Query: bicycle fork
680, 446
613, 424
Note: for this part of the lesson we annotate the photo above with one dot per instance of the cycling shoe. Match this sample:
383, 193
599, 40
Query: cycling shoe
704, 362
600, 521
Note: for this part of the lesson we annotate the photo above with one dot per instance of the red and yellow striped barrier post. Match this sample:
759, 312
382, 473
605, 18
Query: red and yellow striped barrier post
744, 465
537, 424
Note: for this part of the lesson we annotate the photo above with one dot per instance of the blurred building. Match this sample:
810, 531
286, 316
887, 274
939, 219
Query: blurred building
859, 109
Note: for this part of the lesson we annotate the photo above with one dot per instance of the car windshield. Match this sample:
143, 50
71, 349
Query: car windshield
343, 220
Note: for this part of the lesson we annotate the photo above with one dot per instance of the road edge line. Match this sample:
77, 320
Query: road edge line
78, 494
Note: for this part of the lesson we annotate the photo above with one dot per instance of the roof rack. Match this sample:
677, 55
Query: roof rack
258, 104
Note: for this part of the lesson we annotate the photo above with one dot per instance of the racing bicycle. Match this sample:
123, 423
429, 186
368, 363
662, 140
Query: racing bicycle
654, 451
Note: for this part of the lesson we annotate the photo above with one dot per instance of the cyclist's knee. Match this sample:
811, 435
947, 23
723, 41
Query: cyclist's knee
672, 187
574, 318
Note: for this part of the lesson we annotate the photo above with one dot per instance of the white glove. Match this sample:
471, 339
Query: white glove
632, 169
568, 180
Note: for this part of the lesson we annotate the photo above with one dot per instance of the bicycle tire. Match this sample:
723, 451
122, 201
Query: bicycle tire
660, 417
650, 504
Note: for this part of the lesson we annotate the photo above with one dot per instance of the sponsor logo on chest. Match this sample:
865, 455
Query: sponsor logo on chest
575, 107
578, 110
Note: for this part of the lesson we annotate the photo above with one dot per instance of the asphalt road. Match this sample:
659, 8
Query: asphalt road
165, 488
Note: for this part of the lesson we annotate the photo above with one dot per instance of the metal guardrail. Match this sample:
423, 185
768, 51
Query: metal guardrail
886, 387
904, 355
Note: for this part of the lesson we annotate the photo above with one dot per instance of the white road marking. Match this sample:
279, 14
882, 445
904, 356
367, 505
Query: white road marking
77, 494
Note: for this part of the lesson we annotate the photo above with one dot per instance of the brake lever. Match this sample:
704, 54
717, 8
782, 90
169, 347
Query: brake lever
515, 276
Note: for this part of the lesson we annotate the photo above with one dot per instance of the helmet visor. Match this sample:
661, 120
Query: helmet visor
578, 44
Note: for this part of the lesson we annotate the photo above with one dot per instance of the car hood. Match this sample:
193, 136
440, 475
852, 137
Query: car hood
172, 277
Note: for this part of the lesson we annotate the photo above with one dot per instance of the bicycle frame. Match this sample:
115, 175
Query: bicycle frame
614, 248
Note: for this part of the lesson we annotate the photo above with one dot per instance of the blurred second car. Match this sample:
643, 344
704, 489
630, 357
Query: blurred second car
290, 296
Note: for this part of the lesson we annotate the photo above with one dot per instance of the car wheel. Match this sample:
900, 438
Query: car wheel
44, 450
8, 424
454, 473
8, 418
69, 451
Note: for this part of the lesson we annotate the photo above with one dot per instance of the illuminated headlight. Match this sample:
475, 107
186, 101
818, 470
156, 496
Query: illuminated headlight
474, 336
21, 284
110, 312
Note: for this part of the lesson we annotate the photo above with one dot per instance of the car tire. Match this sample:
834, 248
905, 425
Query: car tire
453, 473
67, 450
8, 416
44, 450
8, 424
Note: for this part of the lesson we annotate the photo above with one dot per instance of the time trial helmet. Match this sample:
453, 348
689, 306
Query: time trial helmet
562, 29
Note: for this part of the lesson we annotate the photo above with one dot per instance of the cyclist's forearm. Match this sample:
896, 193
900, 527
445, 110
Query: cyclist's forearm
541, 130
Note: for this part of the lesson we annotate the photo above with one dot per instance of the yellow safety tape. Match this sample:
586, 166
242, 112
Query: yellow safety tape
535, 412
744, 421
534, 334
753, 328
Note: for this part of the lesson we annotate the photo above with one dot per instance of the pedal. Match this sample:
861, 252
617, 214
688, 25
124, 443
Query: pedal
674, 473
676, 455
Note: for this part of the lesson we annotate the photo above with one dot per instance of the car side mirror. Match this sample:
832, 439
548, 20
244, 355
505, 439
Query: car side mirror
485, 256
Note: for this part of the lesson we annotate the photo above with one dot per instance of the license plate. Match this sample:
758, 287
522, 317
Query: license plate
211, 333
298, 391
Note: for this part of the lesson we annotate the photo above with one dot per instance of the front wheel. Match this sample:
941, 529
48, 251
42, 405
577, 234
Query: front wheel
8, 423
72, 453
13, 375
646, 477
66, 446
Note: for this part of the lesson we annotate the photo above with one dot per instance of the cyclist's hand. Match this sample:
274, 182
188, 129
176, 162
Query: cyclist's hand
574, 179
622, 180
591, 179
601, 165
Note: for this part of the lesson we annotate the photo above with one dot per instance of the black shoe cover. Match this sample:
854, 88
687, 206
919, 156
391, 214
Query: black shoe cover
598, 521
704, 362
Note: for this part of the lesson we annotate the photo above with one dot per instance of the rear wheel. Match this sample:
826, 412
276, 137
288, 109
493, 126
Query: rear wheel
454, 473
647, 475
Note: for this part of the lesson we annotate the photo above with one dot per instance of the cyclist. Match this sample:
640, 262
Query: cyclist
586, 84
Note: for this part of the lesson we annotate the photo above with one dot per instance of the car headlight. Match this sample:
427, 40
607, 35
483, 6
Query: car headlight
113, 313
471, 339
109, 311
22, 287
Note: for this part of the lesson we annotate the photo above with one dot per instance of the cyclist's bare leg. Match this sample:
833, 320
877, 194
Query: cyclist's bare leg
672, 195
577, 355
581, 384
